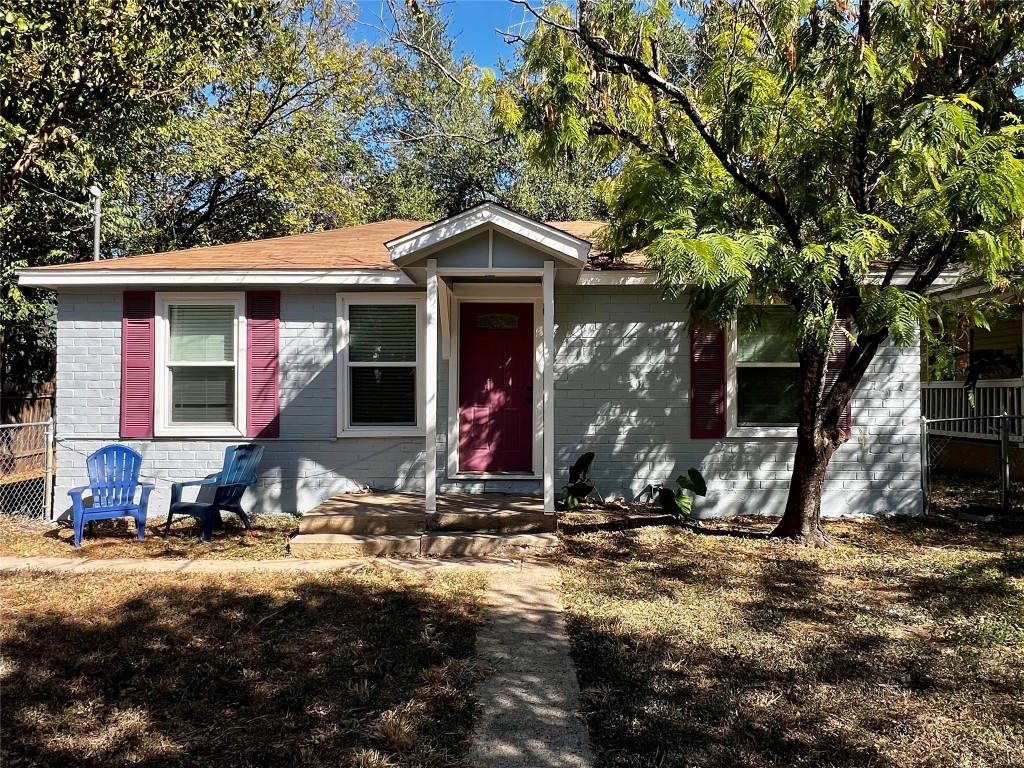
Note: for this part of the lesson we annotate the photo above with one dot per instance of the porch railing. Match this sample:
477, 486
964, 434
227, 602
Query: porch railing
963, 412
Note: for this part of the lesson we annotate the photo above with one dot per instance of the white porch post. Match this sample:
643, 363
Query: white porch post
430, 389
549, 387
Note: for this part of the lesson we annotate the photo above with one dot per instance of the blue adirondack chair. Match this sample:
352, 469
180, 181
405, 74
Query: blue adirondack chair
113, 479
240, 465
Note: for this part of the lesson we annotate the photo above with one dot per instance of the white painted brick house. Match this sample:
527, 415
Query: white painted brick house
483, 352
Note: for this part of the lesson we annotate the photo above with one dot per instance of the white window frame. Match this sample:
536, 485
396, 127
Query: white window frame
345, 428
162, 379
733, 428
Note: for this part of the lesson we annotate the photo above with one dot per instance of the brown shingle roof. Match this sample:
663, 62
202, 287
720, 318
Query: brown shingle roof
360, 247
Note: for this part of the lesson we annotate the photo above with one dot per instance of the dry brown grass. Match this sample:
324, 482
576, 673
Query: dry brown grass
268, 539
365, 669
902, 646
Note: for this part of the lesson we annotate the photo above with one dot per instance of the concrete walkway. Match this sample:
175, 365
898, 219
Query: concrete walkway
529, 703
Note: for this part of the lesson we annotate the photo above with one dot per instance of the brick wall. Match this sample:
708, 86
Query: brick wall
621, 390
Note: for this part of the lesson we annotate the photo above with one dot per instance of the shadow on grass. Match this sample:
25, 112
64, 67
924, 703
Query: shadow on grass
730, 653
266, 671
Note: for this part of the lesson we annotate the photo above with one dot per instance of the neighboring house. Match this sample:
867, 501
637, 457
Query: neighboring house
985, 378
482, 352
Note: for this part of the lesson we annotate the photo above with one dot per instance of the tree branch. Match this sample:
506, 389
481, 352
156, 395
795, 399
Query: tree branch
644, 74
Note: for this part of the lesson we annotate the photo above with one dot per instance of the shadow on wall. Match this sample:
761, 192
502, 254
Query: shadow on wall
306, 465
622, 391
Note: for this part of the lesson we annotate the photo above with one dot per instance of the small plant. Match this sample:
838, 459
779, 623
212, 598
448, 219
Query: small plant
580, 487
677, 503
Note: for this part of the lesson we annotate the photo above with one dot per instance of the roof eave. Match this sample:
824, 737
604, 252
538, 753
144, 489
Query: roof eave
90, 278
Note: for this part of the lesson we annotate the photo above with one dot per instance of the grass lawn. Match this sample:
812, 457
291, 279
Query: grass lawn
268, 539
373, 669
902, 646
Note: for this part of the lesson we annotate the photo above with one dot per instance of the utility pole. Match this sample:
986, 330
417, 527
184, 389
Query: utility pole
97, 196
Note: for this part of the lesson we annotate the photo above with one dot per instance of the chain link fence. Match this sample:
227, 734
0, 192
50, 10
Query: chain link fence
974, 462
26, 469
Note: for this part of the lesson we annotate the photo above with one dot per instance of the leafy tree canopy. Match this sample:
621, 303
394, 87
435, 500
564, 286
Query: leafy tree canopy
830, 154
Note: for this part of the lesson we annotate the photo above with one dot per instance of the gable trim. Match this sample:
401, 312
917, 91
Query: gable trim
421, 242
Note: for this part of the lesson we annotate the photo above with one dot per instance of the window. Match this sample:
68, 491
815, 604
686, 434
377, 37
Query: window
380, 366
200, 381
765, 377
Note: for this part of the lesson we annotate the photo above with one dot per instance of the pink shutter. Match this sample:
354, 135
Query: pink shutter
138, 363
836, 361
263, 315
707, 383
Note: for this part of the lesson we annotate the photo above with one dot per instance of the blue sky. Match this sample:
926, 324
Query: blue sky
473, 24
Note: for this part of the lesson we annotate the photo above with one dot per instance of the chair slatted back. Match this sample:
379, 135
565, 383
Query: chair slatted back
114, 475
241, 463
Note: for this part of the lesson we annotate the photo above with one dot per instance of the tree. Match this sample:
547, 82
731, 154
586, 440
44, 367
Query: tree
82, 84
837, 156
438, 148
89, 67
269, 141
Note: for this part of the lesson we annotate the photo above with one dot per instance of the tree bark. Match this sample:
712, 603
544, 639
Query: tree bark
801, 522
818, 436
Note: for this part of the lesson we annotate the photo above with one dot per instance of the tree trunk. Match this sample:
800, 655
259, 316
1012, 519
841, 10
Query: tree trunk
818, 436
801, 522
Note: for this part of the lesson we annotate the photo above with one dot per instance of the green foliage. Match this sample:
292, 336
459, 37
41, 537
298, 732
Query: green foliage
439, 128
268, 143
677, 502
580, 487
777, 151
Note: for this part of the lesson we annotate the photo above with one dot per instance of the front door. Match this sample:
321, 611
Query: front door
496, 387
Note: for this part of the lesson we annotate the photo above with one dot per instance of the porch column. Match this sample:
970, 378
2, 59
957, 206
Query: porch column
430, 390
548, 423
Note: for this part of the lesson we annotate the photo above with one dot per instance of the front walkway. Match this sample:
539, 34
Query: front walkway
529, 704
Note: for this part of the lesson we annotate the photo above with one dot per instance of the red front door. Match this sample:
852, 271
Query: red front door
496, 388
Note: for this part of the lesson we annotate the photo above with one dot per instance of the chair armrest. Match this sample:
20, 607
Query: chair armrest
76, 497
176, 487
147, 488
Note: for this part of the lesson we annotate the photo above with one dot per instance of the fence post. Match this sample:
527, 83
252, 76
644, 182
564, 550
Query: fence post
1004, 462
926, 465
48, 472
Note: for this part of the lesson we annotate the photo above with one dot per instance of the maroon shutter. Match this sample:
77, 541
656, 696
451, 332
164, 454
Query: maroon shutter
263, 315
836, 361
707, 383
138, 339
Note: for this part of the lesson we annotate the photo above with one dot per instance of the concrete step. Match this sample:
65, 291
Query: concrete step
363, 522
478, 544
310, 545
496, 522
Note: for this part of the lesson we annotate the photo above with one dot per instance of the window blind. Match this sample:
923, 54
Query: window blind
771, 341
202, 395
382, 333
202, 333
383, 396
